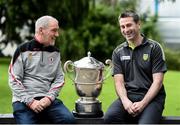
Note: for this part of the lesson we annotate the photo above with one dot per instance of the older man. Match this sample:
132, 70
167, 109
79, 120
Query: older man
36, 77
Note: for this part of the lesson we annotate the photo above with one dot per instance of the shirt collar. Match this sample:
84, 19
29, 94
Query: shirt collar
144, 41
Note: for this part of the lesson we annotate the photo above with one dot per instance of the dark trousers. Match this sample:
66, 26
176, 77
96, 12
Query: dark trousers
117, 114
55, 113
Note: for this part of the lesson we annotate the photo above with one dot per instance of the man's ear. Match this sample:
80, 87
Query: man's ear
139, 24
40, 30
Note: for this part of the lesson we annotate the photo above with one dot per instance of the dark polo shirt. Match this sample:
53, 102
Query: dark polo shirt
138, 64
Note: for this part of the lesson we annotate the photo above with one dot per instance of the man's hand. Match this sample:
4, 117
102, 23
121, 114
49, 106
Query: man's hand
137, 108
128, 107
45, 102
36, 107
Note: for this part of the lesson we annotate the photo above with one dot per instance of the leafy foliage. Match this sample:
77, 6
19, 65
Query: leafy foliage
172, 59
85, 25
20, 14
99, 34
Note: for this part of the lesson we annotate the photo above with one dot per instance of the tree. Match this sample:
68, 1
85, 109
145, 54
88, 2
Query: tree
99, 32
18, 16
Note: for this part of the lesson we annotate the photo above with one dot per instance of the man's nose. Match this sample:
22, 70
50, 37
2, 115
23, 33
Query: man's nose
57, 34
126, 30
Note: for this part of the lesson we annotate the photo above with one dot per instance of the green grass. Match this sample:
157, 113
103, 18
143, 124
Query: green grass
107, 96
172, 86
5, 92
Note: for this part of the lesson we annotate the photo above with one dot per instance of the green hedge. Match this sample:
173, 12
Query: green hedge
172, 59
5, 60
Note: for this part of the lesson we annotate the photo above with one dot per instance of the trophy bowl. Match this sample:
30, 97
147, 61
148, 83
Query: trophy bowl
88, 80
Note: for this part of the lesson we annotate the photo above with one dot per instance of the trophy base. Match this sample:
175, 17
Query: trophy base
87, 114
88, 109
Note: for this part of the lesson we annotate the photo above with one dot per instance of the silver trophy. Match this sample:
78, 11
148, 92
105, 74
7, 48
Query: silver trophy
88, 79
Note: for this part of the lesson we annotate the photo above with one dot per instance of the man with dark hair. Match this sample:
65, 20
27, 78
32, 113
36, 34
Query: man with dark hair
138, 71
36, 77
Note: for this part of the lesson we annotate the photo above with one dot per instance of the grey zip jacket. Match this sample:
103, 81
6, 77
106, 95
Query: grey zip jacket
35, 71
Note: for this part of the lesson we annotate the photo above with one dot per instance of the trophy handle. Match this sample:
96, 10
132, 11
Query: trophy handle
108, 70
68, 68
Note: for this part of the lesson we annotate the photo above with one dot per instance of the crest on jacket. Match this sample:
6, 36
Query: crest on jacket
30, 56
145, 57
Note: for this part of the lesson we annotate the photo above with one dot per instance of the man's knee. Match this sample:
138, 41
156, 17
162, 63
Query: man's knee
151, 114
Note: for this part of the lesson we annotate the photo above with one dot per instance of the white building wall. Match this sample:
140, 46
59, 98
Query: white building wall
169, 20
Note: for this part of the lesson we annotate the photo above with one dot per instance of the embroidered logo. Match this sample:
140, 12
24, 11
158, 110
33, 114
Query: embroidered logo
125, 58
145, 57
30, 56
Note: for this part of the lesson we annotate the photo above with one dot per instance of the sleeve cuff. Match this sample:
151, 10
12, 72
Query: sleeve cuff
30, 103
50, 98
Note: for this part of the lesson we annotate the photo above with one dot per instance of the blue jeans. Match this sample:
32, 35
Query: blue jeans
54, 114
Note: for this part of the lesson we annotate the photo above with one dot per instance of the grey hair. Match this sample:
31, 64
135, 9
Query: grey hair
43, 22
